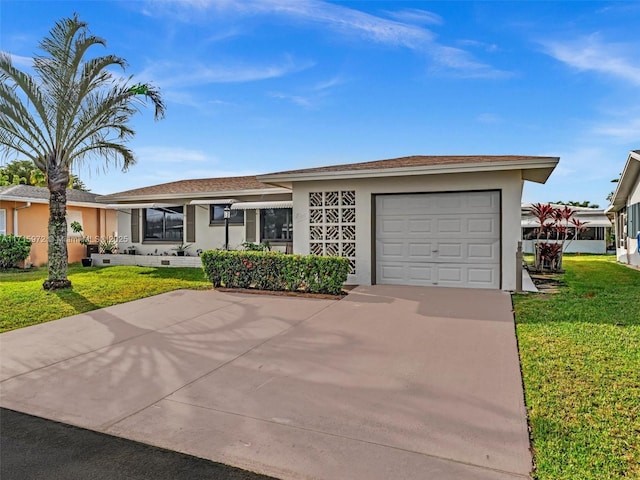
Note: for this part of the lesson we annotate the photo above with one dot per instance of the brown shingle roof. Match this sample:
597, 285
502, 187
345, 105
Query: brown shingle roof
31, 192
197, 186
417, 161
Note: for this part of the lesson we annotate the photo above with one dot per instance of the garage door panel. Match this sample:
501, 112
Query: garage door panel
398, 273
392, 274
420, 225
482, 225
420, 250
441, 203
392, 225
450, 273
482, 276
420, 273
449, 239
483, 252
393, 249
447, 226
450, 251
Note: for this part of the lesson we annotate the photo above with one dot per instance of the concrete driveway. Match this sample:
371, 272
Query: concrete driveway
390, 382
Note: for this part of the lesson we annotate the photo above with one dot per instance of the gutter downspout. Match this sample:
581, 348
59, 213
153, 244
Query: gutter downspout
15, 216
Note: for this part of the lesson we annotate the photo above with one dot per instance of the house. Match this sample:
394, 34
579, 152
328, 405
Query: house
625, 211
24, 210
421, 220
595, 238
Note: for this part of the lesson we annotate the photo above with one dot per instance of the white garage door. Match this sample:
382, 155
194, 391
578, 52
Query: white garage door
446, 239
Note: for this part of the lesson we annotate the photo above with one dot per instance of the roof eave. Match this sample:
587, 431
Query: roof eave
538, 171
628, 178
193, 195
72, 203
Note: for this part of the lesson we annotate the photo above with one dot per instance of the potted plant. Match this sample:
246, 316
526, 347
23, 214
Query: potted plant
181, 249
77, 228
107, 245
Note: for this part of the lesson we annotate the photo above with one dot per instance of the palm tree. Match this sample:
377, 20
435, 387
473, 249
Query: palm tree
72, 109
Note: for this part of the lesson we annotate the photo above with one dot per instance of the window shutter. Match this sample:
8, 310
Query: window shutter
191, 223
251, 225
135, 225
3, 222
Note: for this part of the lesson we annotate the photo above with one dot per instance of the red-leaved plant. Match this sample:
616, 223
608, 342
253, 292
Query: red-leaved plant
557, 228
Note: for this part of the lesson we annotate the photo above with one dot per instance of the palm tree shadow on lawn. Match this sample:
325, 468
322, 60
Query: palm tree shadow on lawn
79, 303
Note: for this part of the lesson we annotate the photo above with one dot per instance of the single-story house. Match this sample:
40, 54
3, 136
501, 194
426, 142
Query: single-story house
595, 238
625, 211
422, 220
24, 211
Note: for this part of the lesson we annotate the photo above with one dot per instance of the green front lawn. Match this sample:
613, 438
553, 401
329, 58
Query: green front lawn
580, 355
23, 302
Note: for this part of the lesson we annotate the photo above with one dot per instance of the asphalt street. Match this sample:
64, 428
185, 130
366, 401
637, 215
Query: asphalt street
33, 448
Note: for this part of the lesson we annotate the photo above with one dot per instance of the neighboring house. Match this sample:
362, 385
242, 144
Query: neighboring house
24, 210
420, 220
593, 239
625, 211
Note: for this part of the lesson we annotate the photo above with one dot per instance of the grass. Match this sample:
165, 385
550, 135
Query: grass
580, 355
23, 301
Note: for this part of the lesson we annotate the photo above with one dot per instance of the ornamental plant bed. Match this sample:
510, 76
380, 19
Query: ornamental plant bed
557, 228
274, 271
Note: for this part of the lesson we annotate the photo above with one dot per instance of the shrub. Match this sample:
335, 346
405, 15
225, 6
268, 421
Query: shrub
275, 271
558, 225
13, 250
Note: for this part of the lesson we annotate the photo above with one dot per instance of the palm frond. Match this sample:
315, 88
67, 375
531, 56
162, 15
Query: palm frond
112, 152
28, 86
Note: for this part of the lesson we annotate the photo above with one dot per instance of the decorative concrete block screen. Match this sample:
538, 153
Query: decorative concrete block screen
332, 224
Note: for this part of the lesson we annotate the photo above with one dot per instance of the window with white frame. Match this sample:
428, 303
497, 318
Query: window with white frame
3, 221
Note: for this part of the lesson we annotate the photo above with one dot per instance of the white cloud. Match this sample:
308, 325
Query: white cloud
348, 21
593, 54
172, 74
488, 47
20, 61
172, 155
586, 164
627, 130
330, 83
296, 99
415, 15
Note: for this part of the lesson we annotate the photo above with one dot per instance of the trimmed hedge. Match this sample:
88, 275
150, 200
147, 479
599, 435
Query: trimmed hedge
275, 271
13, 250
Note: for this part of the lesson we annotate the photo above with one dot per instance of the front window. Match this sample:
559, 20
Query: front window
216, 216
276, 224
591, 233
163, 224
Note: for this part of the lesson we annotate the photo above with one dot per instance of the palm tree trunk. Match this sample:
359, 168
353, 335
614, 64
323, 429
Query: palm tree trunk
57, 180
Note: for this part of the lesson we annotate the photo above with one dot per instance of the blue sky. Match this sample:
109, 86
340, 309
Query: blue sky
257, 86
